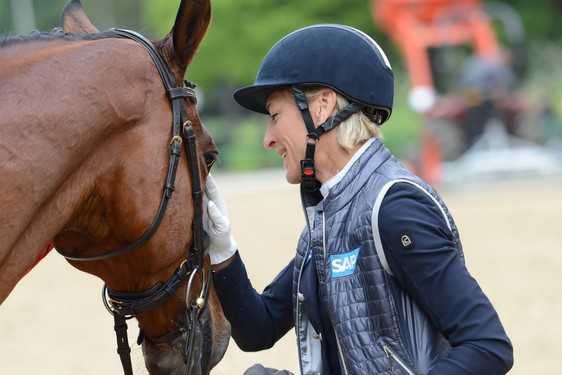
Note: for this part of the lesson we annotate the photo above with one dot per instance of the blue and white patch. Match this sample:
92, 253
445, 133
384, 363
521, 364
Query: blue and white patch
344, 264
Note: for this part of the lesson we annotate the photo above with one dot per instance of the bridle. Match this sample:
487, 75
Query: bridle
126, 305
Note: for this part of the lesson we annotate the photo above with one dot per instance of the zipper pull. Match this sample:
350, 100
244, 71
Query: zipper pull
390, 359
317, 336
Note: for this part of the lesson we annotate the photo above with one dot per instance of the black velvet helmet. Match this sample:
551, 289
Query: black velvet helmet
340, 57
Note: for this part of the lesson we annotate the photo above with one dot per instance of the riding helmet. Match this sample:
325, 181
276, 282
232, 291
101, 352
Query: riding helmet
337, 56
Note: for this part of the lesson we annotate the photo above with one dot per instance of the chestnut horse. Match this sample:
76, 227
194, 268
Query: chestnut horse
85, 150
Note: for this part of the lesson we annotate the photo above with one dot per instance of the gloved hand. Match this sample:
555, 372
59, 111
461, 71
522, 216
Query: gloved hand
217, 224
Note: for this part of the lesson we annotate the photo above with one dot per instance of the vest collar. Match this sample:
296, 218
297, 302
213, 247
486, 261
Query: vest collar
326, 186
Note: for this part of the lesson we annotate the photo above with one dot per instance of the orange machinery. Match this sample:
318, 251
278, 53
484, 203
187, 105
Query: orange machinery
416, 26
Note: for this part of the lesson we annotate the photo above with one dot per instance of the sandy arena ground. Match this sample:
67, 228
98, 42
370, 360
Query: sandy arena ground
54, 321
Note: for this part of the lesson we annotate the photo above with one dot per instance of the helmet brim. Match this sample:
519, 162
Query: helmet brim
255, 97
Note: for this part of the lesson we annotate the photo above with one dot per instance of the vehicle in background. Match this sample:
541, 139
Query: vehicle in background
464, 84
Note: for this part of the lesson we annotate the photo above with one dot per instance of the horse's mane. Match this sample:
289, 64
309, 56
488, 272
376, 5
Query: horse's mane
56, 34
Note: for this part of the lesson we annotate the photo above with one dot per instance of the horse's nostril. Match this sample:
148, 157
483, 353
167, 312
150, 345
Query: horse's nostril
163, 358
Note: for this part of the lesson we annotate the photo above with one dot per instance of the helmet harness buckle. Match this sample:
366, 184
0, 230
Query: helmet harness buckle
308, 170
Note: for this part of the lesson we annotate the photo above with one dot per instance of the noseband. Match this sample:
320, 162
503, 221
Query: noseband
126, 305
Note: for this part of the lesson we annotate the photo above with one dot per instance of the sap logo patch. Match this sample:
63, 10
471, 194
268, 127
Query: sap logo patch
344, 264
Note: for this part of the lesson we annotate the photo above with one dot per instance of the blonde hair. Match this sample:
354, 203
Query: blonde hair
353, 131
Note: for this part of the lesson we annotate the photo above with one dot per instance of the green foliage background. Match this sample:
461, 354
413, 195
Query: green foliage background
243, 31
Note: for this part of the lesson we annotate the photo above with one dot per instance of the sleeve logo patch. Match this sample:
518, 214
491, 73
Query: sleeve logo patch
344, 264
406, 240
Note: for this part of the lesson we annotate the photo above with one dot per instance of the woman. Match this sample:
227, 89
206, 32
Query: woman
378, 284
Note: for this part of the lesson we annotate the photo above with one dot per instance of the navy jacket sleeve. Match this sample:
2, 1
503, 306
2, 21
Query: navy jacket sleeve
257, 320
431, 272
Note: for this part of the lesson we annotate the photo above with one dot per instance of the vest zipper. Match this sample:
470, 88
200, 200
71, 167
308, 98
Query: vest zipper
298, 322
394, 358
297, 312
340, 351
324, 233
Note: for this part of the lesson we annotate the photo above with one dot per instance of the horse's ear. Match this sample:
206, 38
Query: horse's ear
73, 19
191, 24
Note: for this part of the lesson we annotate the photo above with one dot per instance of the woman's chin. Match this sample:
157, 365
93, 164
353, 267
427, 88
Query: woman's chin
292, 179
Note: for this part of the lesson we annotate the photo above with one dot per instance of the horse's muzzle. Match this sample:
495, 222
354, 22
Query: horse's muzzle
167, 358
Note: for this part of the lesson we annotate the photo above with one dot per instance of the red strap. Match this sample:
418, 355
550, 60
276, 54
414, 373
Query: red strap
43, 254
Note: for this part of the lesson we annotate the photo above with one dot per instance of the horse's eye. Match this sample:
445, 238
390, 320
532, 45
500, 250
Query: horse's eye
210, 159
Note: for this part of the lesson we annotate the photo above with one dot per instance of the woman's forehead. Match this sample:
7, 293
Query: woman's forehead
278, 97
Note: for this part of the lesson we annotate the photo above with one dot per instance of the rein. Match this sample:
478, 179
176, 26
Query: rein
126, 305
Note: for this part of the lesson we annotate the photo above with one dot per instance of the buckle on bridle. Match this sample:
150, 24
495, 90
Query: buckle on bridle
176, 138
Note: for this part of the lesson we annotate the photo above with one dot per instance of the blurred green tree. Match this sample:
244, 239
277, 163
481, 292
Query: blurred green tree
242, 32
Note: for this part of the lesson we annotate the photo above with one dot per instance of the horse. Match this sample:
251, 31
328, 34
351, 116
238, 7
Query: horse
92, 126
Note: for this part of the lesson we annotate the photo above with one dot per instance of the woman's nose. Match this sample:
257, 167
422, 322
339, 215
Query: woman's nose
269, 139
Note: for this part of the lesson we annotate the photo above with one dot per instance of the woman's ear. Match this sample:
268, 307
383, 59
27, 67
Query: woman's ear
324, 106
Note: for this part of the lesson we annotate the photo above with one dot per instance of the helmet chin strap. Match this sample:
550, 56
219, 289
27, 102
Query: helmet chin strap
308, 171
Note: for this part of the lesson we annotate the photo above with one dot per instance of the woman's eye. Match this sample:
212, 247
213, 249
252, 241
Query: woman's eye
210, 159
274, 116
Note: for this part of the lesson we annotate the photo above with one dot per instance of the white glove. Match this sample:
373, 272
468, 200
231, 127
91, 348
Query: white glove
217, 224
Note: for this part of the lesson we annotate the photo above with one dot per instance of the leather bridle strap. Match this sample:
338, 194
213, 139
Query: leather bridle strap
125, 305
136, 303
176, 95
123, 348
